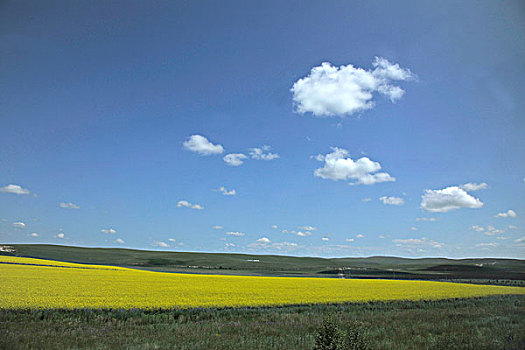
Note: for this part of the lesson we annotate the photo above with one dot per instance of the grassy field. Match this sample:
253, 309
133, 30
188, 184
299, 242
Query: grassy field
509, 270
496, 322
36, 283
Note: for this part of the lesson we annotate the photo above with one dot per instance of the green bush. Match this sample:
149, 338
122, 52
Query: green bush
332, 337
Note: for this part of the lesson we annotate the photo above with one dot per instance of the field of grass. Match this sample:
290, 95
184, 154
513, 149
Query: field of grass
510, 270
496, 322
41, 284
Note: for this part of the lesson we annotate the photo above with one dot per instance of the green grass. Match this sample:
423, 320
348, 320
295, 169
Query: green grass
482, 323
373, 267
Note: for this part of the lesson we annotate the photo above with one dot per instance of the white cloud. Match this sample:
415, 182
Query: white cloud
392, 200
34, 234
469, 187
367, 199
360, 236
172, 240
18, 224
259, 153
303, 234
264, 240
349, 240
229, 245
325, 239
477, 228
187, 204
274, 227
492, 231
447, 199
512, 227
412, 243
69, 205
60, 235
413, 228
520, 240
15, 189
108, 230
426, 219
225, 191
160, 244
339, 166
119, 241
236, 234
508, 214
217, 227
487, 245
307, 228
338, 91
201, 145
234, 159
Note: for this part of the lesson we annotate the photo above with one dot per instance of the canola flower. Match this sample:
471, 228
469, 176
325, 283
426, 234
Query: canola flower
38, 284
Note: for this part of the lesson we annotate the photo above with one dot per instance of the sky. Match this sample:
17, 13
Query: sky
306, 128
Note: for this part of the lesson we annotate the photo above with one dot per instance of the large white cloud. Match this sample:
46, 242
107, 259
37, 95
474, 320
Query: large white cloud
337, 91
201, 145
339, 166
447, 199
15, 189
234, 159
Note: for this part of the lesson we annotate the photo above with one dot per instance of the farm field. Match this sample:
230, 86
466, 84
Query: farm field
496, 322
44, 284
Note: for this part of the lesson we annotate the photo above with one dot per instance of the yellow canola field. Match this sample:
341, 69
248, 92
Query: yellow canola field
94, 286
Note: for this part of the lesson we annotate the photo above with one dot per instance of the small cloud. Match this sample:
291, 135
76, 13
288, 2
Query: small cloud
487, 245
60, 235
447, 199
172, 239
187, 204
512, 227
508, 214
201, 145
274, 227
307, 228
15, 189
108, 231
392, 200
326, 239
263, 153
229, 245
413, 228
225, 191
339, 166
470, 187
492, 231
520, 240
236, 234
303, 234
477, 228
217, 227
69, 205
413, 243
34, 234
19, 224
367, 199
119, 241
264, 240
360, 236
160, 244
234, 159
426, 219
349, 240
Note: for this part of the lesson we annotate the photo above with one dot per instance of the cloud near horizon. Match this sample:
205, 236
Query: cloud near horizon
330, 91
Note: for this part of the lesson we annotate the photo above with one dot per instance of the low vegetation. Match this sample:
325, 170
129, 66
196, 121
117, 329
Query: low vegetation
496, 322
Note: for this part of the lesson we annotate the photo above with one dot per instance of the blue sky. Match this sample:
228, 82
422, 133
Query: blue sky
363, 128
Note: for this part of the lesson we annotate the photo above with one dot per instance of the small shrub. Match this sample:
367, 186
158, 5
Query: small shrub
332, 337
